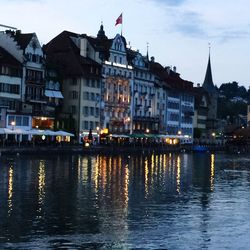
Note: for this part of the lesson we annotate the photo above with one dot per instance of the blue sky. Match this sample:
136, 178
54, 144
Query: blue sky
178, 31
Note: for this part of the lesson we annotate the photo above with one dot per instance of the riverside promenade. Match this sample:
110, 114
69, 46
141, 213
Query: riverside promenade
101, 149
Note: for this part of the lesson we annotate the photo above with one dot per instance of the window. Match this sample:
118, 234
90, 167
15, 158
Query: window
25, 121
87, 82
120, 59
74, 94
93, 83
73, 109
85, 95
97, 99
18, 121
91, 125
86, 111
92, 111
92, 96
97, 112
11, 119
115, 58
86, 125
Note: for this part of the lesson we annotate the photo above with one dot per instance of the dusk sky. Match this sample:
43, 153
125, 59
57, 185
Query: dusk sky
178, 31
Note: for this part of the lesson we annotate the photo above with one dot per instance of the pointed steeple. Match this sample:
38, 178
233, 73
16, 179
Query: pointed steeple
147, 51
208, 84
101, 33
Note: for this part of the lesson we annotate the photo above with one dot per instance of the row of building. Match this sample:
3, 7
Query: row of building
80, 83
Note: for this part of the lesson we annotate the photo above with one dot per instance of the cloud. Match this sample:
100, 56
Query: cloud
190, 24
228, 34
170, 2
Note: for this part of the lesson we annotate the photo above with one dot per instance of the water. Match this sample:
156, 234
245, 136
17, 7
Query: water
167, 201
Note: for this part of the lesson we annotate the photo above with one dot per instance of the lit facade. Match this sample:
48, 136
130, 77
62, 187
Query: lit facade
117, 87
145, 117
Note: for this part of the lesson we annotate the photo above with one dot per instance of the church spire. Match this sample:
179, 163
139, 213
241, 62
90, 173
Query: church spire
101, 33
208, 81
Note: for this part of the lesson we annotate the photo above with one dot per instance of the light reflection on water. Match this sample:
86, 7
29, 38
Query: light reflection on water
166, 201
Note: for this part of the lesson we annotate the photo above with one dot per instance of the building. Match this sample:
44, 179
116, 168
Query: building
200, 112
174, 101
73, 56
108, 86
26, 102
11, 72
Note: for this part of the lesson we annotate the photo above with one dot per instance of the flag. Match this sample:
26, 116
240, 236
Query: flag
119, 20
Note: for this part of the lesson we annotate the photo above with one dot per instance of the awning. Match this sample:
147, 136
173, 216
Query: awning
49, 93
63, 133
19, 131
53, 93
119, 136
57, 94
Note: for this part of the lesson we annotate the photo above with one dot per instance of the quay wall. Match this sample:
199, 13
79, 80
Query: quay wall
110, 149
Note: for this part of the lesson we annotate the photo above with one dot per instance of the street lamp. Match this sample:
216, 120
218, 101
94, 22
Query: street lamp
147, 130
13, 125
98, 134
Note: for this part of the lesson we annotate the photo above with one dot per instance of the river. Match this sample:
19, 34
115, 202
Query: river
165, 201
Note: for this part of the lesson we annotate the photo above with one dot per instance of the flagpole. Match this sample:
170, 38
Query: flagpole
122, 24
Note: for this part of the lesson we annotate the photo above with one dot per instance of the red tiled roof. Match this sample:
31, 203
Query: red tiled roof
65, 55
170, 78
7, 59
23, 39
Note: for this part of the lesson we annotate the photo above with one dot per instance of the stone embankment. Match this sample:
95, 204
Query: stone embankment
103, 149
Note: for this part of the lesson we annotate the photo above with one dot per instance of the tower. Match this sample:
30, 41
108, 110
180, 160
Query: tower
209, 87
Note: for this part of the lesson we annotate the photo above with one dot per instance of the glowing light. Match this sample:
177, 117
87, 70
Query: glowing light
10, 190
178, 175
41, 183
146, 178
212, 172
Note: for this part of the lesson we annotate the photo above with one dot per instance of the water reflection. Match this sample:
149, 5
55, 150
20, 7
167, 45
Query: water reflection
10, 190
113, 201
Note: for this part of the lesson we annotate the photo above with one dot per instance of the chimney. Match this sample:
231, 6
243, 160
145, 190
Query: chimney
168, 69
83, 47
174, 69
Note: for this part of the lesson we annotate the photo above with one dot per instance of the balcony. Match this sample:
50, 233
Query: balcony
33, 98
33, 80
146, 118
188, 113
47, 113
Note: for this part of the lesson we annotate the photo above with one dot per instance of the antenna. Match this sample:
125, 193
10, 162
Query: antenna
9, 27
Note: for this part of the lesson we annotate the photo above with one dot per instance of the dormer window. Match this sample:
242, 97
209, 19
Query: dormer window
33, 58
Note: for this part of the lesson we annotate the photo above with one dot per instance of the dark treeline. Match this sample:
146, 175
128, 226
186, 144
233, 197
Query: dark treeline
233, 100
